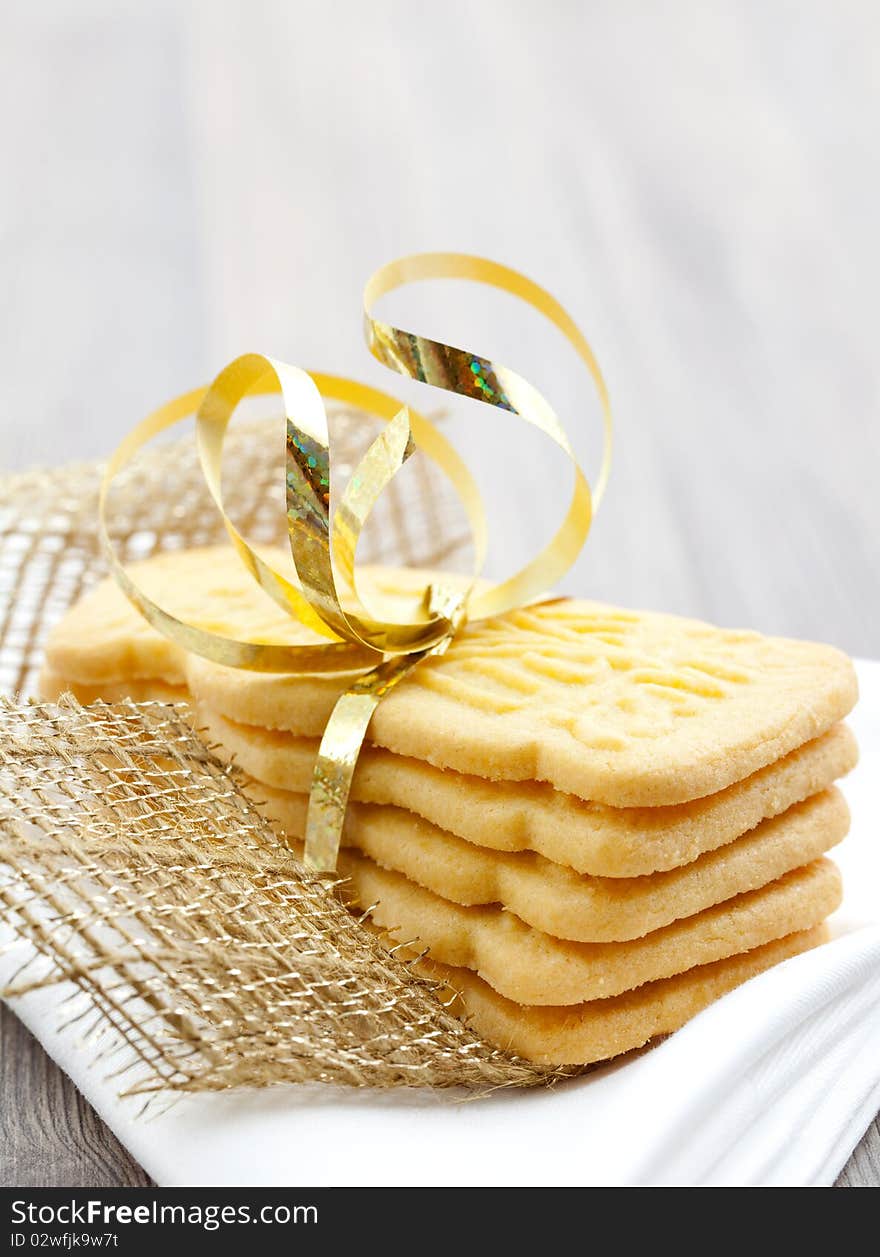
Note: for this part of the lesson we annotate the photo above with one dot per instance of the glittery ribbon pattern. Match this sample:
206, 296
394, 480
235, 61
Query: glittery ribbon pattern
324, 543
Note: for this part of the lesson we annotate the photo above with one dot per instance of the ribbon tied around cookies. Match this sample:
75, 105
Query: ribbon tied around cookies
324, 542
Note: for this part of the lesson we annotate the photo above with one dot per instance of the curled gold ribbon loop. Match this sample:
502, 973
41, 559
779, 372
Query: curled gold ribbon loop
324, 545
471, 375
211, 407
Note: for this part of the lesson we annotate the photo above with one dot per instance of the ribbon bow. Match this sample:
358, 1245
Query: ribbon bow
324, 544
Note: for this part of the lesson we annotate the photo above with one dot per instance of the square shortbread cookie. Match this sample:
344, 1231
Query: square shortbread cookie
604, 1028
530, 967
522, 816
620, 707
555, 899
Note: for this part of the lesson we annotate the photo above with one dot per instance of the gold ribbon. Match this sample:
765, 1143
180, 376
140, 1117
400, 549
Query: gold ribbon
324, 544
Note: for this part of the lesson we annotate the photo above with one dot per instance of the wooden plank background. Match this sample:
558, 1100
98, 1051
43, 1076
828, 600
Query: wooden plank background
698, 181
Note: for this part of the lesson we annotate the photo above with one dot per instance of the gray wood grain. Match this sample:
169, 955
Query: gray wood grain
49, 1135
698, 181
863, 1167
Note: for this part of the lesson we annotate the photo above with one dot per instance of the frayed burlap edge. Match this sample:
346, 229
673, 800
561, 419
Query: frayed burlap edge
132, 867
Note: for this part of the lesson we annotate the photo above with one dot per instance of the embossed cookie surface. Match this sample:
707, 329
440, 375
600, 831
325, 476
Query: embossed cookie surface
620, 707
104, 639
528, 816
624, 708
558, 901
601, 1029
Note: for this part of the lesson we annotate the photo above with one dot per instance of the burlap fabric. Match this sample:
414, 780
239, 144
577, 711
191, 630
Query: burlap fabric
132, 869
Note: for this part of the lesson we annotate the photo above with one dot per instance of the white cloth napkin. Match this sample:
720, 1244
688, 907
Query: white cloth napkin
772, 1085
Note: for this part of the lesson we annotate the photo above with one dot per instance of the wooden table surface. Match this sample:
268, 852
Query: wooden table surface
697, 181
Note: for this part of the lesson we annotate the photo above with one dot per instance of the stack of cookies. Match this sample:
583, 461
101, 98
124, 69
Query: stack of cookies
596, 821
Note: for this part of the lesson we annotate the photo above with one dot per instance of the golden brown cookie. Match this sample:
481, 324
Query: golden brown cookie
52, 686
630, 709
102, 638
530, 967
620, 707
558, 901
601, 1029
529, 816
